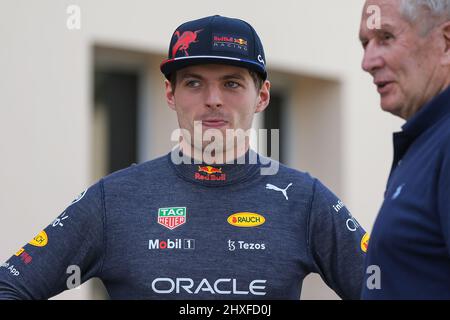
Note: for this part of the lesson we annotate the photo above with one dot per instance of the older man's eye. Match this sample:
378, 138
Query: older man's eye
387, 36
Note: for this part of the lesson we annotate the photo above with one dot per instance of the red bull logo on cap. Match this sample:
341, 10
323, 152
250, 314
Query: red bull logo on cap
223, 42
184, 41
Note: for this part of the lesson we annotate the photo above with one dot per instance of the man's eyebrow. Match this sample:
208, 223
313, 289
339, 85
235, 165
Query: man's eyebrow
225, 77
386, 26
190, 75
234, 76
383, 27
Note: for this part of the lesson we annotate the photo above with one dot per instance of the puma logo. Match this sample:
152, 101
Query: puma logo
284, 191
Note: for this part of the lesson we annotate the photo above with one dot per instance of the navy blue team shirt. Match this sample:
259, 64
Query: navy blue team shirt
410, 240
160, 230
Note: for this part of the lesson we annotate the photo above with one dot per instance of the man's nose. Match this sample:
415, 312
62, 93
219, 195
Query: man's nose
372, 59
213, 97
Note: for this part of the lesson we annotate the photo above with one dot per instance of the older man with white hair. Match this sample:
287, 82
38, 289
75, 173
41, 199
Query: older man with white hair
408, 56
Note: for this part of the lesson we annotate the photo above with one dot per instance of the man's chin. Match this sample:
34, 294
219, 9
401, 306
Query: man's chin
391, 107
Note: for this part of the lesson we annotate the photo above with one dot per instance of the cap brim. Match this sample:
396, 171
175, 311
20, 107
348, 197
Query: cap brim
171, 65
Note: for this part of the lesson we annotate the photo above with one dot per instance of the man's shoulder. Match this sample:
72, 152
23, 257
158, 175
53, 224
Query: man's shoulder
443, 135
305, 181
445, 127
135, 172
440, 135
286, 170
444, 124
287, 173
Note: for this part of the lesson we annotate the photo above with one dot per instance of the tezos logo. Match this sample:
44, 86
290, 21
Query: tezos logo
242, 245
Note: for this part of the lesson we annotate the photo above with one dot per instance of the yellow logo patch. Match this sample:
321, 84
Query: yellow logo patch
246, 219
365, 242
40, 240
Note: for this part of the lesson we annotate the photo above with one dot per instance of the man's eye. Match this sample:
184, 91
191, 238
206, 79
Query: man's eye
192, 83
387, 36
232, 84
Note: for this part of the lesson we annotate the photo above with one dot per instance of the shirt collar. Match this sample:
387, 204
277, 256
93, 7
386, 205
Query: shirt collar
431, 113
428, 116
214, 174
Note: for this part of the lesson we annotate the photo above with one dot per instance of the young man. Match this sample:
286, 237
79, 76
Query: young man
409, 59
172, 228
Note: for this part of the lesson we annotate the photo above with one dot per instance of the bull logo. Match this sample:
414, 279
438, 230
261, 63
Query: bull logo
184, 41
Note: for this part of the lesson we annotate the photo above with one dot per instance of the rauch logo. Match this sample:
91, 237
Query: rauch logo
246, 219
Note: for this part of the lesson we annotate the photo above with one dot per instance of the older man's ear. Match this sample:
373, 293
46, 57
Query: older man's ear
446, 36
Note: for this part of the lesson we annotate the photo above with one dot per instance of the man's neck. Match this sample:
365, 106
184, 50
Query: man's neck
435, 91
214, 156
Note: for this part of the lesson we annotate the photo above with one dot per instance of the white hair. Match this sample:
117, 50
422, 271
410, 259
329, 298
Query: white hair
430, 13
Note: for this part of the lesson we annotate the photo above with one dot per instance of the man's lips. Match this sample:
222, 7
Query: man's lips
383, 86
214, 123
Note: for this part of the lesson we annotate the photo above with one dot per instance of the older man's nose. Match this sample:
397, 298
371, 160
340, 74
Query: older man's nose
372, 59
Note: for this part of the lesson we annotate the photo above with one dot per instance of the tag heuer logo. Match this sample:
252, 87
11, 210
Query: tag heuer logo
172, 217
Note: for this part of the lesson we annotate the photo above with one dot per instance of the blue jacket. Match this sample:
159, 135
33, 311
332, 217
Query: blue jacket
410, 240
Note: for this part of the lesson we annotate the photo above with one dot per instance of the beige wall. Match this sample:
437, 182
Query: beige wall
46, 117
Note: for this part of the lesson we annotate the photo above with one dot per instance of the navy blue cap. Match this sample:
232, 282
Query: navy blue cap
215, 39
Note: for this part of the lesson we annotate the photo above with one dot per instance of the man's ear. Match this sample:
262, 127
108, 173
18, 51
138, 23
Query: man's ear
170, 96
264, 97
446, 35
